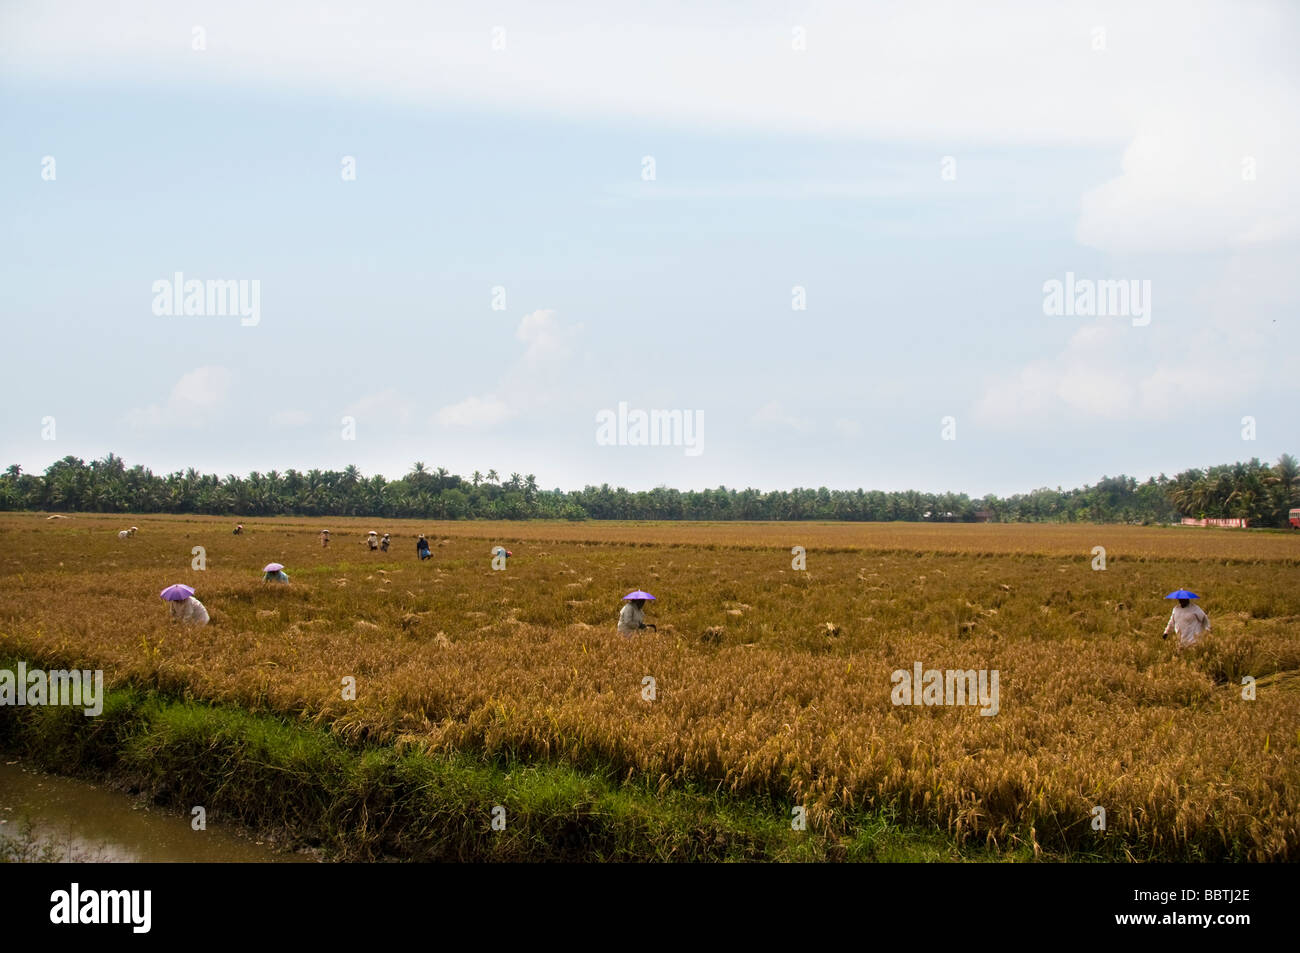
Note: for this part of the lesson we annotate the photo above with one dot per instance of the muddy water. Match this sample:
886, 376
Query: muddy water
73, 820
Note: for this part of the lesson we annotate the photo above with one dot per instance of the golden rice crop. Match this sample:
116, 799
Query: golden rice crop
754, 693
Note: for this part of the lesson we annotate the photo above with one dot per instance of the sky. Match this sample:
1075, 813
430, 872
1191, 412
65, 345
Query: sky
825, 234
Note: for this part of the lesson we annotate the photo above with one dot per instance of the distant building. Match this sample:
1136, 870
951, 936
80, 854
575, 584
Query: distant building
983, 516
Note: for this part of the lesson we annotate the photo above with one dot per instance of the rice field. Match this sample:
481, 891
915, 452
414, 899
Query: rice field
769, 683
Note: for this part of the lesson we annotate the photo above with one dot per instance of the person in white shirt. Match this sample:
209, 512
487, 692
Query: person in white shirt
1188, 621
632, 617
190, 610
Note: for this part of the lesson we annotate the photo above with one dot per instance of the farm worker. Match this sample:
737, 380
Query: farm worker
278, 575
1187, 620
190, 610
372, 540
632, 616
422, 547
324, 538
383, 543
239, 528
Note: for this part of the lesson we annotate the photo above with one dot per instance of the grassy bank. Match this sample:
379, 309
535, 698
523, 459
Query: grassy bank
372, 803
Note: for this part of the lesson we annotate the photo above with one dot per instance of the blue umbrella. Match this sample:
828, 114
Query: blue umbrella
177, 593
637, 595
1182, 594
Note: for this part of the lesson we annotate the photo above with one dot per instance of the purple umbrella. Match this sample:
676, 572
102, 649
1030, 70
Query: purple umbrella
637, 595
272, 567
177, 593
1182, 594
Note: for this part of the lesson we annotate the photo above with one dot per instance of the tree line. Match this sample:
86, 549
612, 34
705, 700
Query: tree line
1253, 490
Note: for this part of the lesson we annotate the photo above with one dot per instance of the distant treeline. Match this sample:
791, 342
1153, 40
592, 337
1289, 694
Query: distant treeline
1261, 493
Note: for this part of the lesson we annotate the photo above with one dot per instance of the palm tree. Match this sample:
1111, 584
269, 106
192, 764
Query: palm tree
313, 496
1282, 483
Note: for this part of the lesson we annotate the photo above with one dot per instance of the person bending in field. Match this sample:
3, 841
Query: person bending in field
324, 538
191, 610
631, 618
422, 547
239, 529
1188, 622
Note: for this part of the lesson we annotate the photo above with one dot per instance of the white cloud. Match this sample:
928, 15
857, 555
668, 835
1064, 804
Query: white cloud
773, 415
947, 72
1194, 185
1092, 379
528, 384
1026, 397
547, 340
475, 413
1170, 392
202, 388
194, 399
1110, 373
936, 70
385, 407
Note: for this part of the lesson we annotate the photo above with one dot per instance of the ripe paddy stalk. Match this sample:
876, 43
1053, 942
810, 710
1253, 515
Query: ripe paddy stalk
523, 664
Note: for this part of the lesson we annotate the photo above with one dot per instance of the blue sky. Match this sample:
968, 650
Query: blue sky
522, 168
